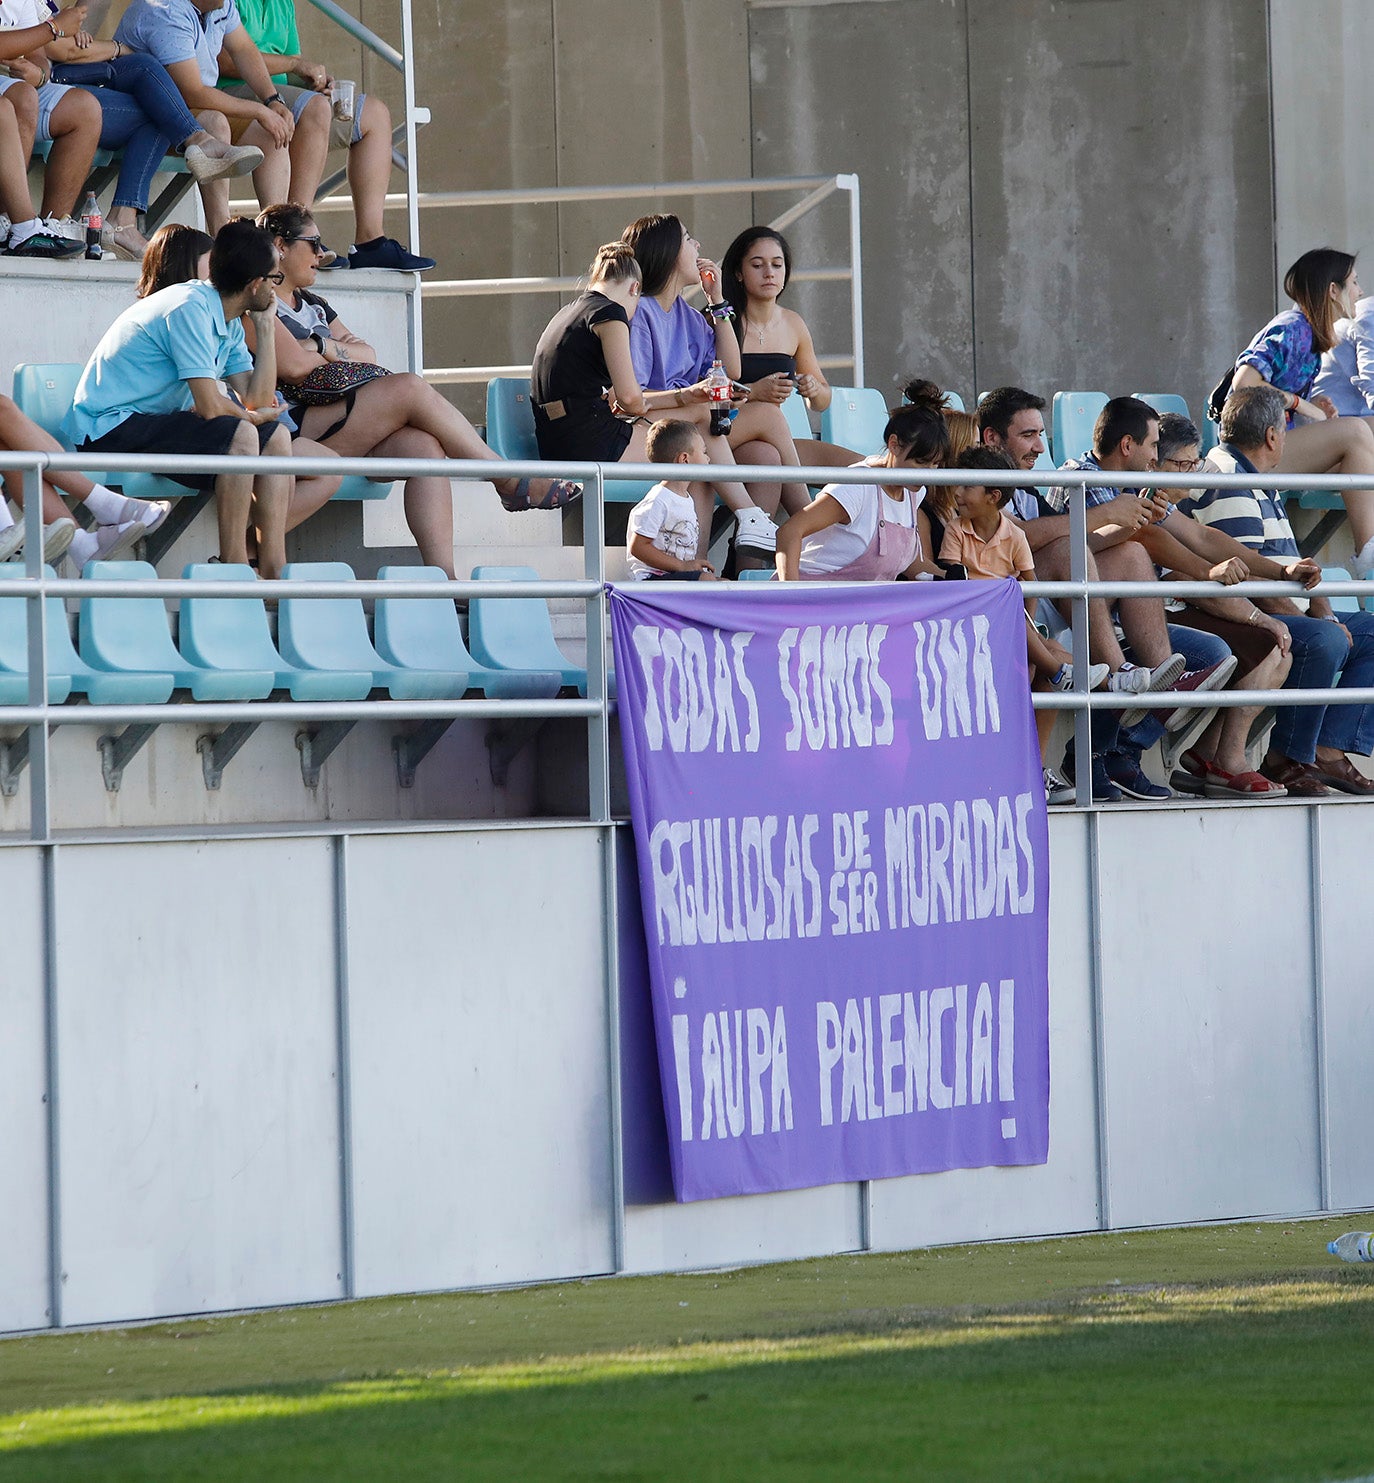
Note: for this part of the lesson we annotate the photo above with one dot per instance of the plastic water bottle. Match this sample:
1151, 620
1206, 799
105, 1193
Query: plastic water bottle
718, 384
1354, 1246
92, 221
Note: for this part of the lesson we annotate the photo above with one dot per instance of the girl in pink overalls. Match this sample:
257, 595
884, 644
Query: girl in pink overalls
868, 532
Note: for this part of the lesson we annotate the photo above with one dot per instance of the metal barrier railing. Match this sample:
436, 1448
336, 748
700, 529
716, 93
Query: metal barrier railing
39, 715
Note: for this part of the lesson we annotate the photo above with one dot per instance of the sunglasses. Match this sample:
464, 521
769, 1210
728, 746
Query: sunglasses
315, 243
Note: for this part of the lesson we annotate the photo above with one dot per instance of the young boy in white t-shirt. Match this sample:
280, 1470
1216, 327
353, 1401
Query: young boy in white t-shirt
661, 541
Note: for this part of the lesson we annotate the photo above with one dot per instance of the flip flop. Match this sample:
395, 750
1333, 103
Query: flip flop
561, 492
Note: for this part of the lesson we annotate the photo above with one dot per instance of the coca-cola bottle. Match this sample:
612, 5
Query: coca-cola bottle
718, 384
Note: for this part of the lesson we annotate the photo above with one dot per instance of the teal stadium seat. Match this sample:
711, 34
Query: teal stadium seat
14, 637
330, 633
44, 392
130, 635
798, 422
1074, 414
1164, 401
64, 663
1346, 604
516, 633
757, 574
412, 632
510, 433
232, 634
956, 402
855, 419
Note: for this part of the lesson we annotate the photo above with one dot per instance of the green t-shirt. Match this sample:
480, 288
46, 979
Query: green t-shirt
272, 26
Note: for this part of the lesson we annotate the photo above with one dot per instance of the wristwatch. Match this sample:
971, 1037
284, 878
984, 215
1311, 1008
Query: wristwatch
275, 98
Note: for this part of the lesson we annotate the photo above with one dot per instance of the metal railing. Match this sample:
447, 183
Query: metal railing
39, 715
818, 188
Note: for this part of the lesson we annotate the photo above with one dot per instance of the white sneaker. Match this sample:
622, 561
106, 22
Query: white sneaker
1063, 678
65, 226
1362, 567
11, 540
755, 531
1057, 788
1135, 679
57, 537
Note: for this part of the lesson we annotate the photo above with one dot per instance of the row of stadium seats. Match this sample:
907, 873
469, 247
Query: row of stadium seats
224, 650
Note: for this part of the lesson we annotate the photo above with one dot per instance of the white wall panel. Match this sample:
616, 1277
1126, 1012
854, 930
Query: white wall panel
23, 1116
1347, 839
481, 1129
1061, 1195
197, 1090
1211, 1101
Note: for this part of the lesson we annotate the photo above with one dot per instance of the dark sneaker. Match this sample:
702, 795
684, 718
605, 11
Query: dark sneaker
46, 244
1104, 790
1125, 774
388, 253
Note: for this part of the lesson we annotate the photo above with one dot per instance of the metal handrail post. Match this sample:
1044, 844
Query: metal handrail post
1082, 717
417, 358
40, 807
850, 183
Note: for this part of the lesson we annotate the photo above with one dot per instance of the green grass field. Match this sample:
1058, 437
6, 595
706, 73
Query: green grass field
1217, 1353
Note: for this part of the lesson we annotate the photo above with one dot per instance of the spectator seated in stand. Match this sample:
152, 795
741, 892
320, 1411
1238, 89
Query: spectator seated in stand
176, 254
777, 358
938, 509
1012, 419
1307, 751
1346, 377
188, 38
343, 402
152, 386
986, 545
64, 117
365, 134
868, 532
672, 347
1286, 354
143, 114
1125, 441
119, 523
1210, 749
661, 539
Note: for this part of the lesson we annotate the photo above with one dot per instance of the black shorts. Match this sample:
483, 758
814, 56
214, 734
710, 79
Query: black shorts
176, 432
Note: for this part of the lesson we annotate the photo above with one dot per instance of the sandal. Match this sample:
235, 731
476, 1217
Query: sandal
560, 492
126, 242
1242, 785
1342, 774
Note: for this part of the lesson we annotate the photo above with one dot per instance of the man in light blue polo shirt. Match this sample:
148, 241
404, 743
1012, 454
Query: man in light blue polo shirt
187, 36
152, 385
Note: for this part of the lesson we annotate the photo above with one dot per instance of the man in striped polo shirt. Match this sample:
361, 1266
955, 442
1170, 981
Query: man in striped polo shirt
1307, 751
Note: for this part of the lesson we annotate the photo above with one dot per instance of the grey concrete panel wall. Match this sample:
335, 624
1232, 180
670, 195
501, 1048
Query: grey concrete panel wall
878, 89
1121, 191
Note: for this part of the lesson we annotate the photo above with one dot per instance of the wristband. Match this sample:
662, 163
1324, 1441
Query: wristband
56, 34
719, 311
319, 340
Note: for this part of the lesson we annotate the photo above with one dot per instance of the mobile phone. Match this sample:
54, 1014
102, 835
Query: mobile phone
738, 388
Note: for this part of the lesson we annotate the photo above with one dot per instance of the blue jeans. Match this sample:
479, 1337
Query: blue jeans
142, 113
1320, 649
1200, 650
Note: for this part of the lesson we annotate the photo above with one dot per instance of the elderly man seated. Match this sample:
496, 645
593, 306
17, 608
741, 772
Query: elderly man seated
1307, 753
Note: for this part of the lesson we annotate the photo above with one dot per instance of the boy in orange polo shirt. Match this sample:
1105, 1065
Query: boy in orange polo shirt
988, 545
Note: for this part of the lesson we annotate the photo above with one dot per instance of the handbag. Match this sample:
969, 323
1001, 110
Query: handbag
1220, 392
331, 382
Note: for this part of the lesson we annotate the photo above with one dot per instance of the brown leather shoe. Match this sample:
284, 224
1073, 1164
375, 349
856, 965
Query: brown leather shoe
1343, 774
1300, 778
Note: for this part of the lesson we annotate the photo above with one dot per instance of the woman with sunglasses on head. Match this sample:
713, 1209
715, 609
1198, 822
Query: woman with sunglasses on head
777, 356
340, 398
672, 347
1286, 354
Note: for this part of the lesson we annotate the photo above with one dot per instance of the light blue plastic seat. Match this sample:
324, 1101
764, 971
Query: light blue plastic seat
1344, 604
510, 432
855, 419
330, 633
955, 401
44, 392
1074, 415
516, 633
14, 639
130, 635
756, 574
355, 487
233, 634
1164, 401
798, 422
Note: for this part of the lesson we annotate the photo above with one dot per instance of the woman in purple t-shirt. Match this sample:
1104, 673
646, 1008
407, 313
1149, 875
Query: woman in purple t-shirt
673, 346
1286, 354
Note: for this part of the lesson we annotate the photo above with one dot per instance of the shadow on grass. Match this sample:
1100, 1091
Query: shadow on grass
1209, 1384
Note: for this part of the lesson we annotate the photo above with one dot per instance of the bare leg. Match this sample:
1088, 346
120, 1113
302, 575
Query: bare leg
1342, 445
428, 500
369, 170
764, 422
312, 492
18, 431
1142, 618
271, 497
1223, 743
272, 178
53, 508
14, 185
766, 496
214, 194
24, 101
309, 146
815, 454
234, 498
387, 405
75, 124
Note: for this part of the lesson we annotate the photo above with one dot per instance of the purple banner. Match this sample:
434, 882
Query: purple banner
843, 864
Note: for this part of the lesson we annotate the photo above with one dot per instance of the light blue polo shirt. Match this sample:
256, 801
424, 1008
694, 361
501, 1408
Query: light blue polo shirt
175, 31
149, 353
